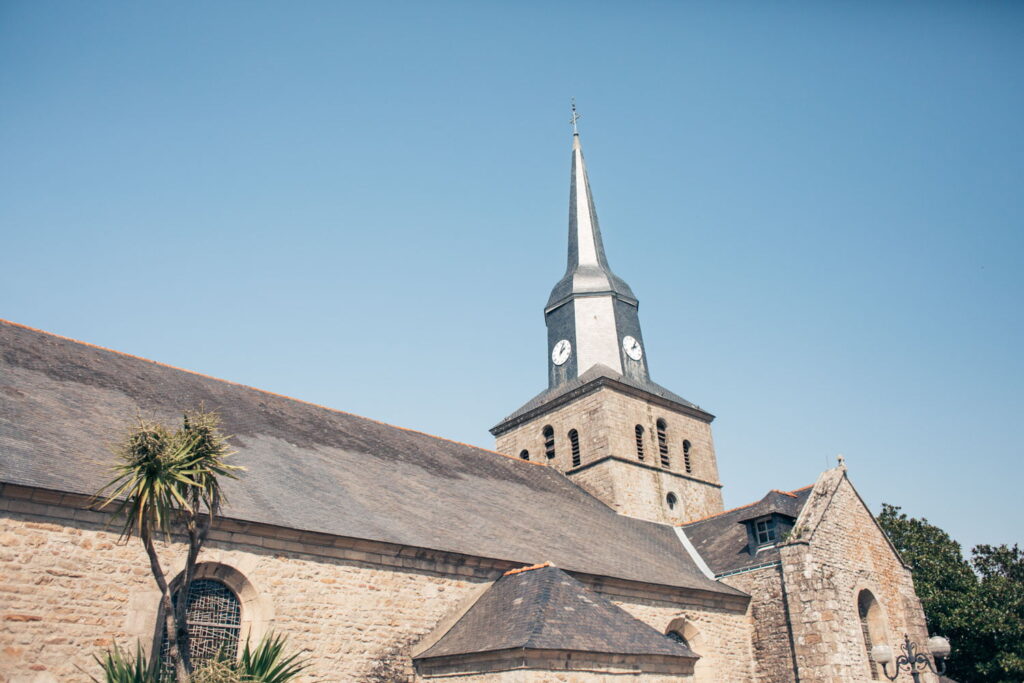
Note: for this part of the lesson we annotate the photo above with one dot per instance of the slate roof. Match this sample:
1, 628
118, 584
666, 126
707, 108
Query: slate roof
596, 373
62, 403
721, 540
546, 609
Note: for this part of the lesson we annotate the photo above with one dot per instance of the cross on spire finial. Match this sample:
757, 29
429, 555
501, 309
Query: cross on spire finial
575, 117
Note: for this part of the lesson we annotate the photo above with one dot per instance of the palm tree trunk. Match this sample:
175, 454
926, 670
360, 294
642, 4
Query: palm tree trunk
167, 604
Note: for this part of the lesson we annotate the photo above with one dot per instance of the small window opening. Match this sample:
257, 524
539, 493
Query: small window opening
574, 443
549, 441
524, 454
639, 442
868, 610
686, 456
671, 500
663, 442
678, 637
764, 529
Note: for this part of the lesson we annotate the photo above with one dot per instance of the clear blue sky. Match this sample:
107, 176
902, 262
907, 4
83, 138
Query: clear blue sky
818, 204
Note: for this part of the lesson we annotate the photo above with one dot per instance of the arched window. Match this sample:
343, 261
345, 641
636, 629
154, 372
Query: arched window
214, 617
639, 442
574, 443
871, 626
686, 456
662, 442
671, 500
524, 454
549, 441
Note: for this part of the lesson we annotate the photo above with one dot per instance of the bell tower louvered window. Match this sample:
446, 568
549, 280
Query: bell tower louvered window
686, 456
549, 441
663, 442
574, 443
639, 442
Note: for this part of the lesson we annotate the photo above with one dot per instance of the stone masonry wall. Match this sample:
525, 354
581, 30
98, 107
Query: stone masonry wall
722, 638
773, 655
606, 420
837, 551
643, 491
69, 590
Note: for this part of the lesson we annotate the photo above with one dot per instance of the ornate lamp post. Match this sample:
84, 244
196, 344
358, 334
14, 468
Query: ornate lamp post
911, 660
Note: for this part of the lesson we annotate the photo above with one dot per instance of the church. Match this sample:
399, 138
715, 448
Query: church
591, 545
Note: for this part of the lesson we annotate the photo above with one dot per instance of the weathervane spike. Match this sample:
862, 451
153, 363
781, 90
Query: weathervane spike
575, 117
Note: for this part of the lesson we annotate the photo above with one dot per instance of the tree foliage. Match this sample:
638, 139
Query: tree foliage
168, 481
978, 605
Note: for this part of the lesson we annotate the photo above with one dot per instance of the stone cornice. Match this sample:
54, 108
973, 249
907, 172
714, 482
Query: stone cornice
78, 509
643, 465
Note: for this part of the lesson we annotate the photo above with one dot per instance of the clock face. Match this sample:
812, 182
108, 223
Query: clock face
561, 352
632, 348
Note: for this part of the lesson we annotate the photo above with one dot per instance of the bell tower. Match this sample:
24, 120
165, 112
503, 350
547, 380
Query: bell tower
640, 448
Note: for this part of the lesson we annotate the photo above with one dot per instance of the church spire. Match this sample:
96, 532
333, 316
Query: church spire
587, 270
591, 313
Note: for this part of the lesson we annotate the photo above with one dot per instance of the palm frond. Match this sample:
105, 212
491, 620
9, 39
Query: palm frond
267, 663
122, 667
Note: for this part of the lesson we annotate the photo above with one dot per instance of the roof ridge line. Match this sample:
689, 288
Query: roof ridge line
264, 391
520, 570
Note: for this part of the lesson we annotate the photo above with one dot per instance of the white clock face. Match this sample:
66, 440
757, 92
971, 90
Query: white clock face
561, 352
632, 348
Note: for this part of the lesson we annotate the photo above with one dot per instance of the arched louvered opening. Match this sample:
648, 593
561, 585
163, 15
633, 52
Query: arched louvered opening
524, 454
213, 614
549, 441
870, 626
686, 456
663, 442
639, 442
671, 501
574, 444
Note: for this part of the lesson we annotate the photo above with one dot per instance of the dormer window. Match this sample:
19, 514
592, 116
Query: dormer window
764, 531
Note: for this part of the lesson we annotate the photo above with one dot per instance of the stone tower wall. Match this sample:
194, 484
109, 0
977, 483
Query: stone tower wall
606, 421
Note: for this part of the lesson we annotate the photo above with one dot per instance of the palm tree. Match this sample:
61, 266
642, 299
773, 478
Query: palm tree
170, 481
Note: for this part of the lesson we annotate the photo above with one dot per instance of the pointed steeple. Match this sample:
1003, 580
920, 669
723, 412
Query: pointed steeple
592, 313
587, 270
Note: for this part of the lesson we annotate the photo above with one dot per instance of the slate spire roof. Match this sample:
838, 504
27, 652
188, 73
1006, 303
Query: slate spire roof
543, 608
587, 271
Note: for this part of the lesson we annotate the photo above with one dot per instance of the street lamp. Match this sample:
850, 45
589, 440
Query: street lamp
911, 660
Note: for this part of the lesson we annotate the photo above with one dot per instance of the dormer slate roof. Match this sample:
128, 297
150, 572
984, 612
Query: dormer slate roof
310, 468
722, 541
546, 609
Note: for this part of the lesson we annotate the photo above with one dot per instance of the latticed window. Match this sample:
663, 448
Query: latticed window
524, 454
686, 456
214, 618
574, 444
663, 442
639, 442
549, 441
